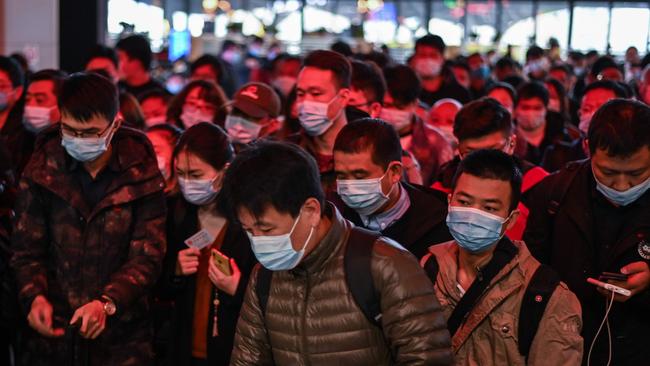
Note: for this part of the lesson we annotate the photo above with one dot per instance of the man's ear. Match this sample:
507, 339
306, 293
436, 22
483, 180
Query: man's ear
344, 95
311, 211
375, 110
514, 215
397, 169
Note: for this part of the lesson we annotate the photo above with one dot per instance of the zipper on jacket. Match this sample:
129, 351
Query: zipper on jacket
304, 322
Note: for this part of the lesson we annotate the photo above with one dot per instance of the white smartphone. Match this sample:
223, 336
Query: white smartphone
609, 287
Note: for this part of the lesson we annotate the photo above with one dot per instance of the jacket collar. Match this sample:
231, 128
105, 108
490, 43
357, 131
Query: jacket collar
329, 246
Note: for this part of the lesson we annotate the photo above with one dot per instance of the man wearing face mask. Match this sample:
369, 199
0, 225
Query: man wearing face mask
284, 73
486, 124
427, 144
484, 280
255, 108
595, 95
89, 234
323, 90
302, 242
13, 135
369, 169
537, 129
592, 217
437, 83
367, 89
41, 110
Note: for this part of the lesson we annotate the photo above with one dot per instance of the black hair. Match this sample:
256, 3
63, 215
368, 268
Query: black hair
156, 93
534, 52
564, 68
342, 47
131, 111
213, 62
504, 86
270, 174
380, 59
492, 164
13, 71
459, 63
85, 95
610, 85
57, 77
136, 47
533, 89
101, 51
334, 62
367, 77
374, 134
402, 84
480, 118
601, 64
284, 57
431, 40
506, 62
620, 127
208, 142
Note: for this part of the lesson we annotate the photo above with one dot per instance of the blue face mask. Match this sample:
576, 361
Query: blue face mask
362, 195
276, 252
198, 191
474, 230
313, 116
623, 198
87, 148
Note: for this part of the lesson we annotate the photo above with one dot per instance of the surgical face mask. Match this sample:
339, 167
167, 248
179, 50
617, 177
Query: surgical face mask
276, 252
427, 67
585, 121
198, 191
241, 130
482, 72
158, 120
192, 116
554, 105
623, 198
531, 119
365, 196
474, 230
400, 119
313, 116
284, 84
86, 149
36, 119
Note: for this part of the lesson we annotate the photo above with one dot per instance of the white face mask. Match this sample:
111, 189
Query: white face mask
363, 195
36, 119
284, 84
198, 191
192, 116
400, 119
313, 116
531, 119
622, 198
427, 67
241, 130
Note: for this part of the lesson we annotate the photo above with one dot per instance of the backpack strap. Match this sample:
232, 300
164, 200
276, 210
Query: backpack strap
358, 274
538, 293
503, 254
561, 187
431, 268
262, 287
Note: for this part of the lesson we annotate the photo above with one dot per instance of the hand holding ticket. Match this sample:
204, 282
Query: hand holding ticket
199, 240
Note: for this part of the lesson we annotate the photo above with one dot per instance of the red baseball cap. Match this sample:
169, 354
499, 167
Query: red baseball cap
257, 100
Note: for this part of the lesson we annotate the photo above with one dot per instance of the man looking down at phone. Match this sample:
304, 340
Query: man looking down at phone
594, 216
209, 258
89, 236
299, 308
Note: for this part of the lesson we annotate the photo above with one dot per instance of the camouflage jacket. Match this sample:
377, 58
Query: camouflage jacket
73, 254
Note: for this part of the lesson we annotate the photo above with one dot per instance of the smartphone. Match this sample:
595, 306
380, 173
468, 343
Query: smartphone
222, 262
610, 287
612, 276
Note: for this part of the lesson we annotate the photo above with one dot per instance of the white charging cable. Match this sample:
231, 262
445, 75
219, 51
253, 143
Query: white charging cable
609, 333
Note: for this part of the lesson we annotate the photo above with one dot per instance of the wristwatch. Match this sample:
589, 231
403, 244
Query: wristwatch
109, 305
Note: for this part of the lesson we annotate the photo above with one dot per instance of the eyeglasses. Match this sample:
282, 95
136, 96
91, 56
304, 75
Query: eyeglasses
68, 131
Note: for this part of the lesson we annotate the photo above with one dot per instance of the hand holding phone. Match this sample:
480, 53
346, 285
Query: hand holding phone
606, 276
609, 287
222, 262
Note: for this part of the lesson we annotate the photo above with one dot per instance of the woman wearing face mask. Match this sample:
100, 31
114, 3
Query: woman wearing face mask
207, 300
164, 137
199, 101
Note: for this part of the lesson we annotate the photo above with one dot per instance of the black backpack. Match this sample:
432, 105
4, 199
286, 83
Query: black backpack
538, 292
358, 275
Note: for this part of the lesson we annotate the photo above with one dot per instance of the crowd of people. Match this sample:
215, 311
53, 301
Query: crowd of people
333, 209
